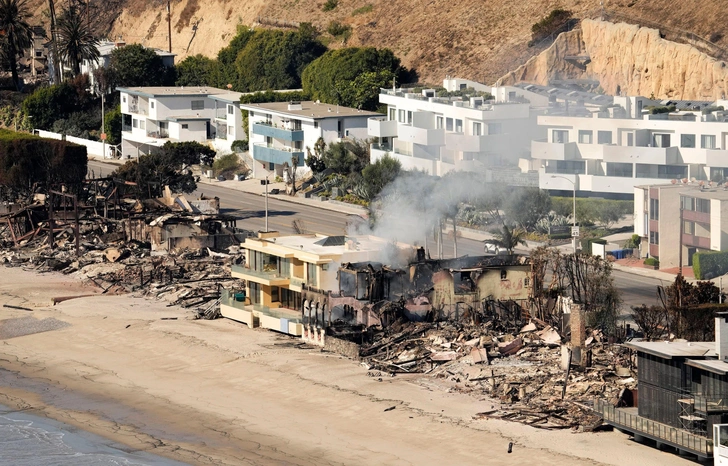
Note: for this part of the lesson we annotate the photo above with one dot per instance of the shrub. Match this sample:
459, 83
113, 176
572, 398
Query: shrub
710, 264
658, 110
240, 145
363, 10
336, 29
652, 262
112, 126
48, 104
228, 164
330, 5
633, 242
550, 24
26, 159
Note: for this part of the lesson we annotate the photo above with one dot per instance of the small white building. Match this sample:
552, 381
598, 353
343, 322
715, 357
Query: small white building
279, 131
105, 49
151, 116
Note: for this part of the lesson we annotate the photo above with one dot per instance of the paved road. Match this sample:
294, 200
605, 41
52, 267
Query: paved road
250, 210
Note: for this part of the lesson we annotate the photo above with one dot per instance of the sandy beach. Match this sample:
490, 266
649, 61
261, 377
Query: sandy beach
216, 392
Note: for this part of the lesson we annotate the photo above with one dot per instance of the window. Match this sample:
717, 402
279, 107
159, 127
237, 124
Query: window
630, 139
230, 130
275, 294
661, 140
339, 126
151, 104
569, 167
477, 129
392, 113
654, 237
688, 228
230, 109
402, 116
688, 203
135, 123
560, 136
296, 125
311, 274
623, 170
687, 140
671, 172
448, 124
439, 122
252, 114
702, 205
495, 128
458, 126
585, 136
604, 137
504, 274
123, 98
298, 145
315, 124
511, 96
409, 117
142, 124
718, 174
198, 105
185, 126
654, 208
707, 141
38, 53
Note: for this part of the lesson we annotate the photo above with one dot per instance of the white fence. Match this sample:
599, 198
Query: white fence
93, 148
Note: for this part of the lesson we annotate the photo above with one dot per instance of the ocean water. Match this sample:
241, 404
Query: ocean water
28, 440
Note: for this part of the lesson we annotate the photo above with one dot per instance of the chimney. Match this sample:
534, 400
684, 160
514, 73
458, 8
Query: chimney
721, 335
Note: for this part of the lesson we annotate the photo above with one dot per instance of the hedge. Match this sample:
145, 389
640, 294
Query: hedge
26, 159
707, 265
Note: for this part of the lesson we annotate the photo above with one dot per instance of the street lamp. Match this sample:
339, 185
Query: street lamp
573, 212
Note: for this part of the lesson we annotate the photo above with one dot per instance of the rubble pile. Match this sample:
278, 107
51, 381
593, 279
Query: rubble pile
523, 373
160, 250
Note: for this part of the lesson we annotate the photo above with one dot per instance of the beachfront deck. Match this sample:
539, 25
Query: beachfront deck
254, 315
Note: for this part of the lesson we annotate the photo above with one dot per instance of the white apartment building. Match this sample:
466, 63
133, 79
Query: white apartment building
440, 134
151, 116
279, 131
609, 151
105, 49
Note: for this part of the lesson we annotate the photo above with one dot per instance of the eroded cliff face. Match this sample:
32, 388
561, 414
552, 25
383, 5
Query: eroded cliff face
628, 59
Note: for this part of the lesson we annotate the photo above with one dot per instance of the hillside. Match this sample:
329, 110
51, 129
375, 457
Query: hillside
471, 39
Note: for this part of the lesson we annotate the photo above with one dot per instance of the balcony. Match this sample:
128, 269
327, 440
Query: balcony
126, 128
380, 127
159, 134
296, 284
716, 157
284, 134
138, 109
472, 143
256, 315
544, 150
644, 155
628, 419
423, 136
277, 155
271, 278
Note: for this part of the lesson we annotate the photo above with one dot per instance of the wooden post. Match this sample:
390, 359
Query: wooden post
77, 226
50, 219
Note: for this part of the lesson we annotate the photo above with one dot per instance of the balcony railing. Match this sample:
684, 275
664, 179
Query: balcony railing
159, 134
277, 155
272, 277
126, 128
677, 437
285, 134
390, 149
137, 109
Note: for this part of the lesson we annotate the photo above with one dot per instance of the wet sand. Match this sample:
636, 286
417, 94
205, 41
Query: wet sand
216, 392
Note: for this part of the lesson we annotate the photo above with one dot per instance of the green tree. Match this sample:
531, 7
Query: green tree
507, 238
76, 42
16, 33
273, 59
48, 104
226, 72
527, 206
380, 173
189, 152
363, 91
197, 70
112, 126
135, 65
346, 157
168, 166
329, 77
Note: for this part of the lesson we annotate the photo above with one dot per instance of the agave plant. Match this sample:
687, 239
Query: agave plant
551, 220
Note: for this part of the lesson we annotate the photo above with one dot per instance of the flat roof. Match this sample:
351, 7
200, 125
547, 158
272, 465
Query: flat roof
674, 349
310, 110
228, 96
692, 189
186, 118
711, 365
182, 91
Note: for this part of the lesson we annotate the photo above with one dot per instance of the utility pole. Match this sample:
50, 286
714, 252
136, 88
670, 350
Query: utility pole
266, 203
56, 60
169, 25
680, 243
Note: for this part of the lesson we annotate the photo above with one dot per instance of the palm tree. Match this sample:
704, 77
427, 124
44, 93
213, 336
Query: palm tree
16, 33
507, 238
76, 43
